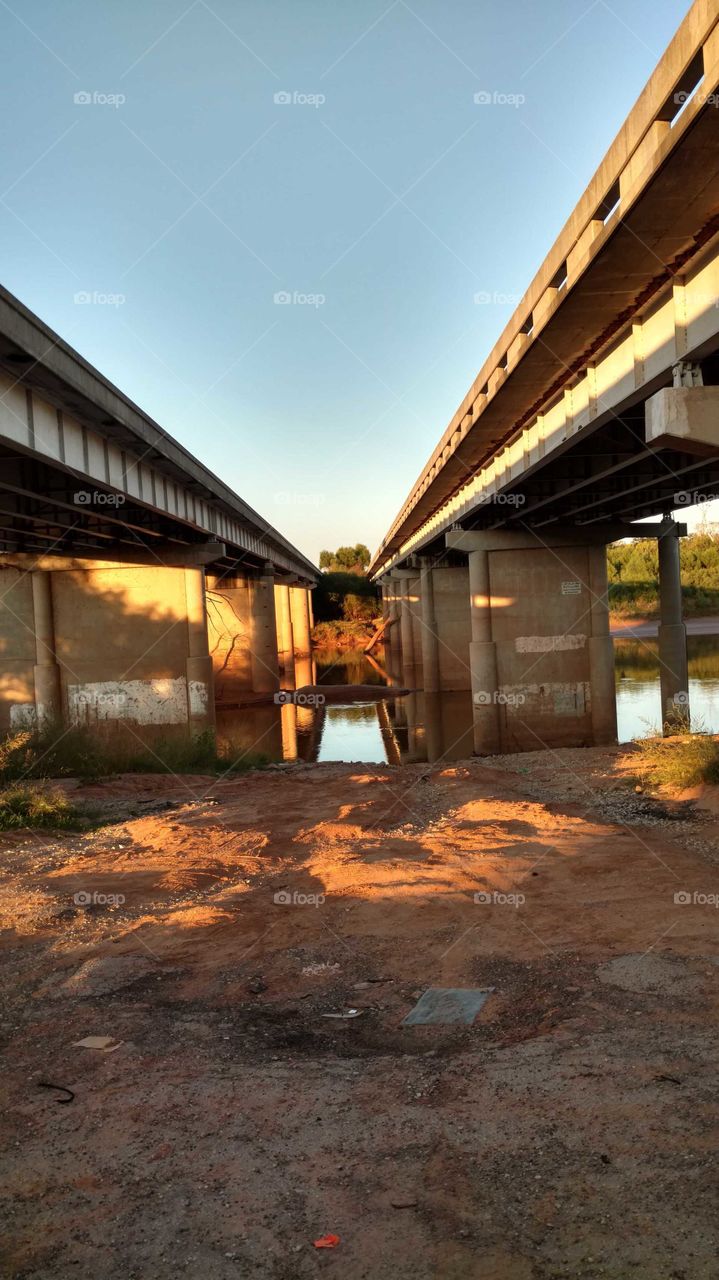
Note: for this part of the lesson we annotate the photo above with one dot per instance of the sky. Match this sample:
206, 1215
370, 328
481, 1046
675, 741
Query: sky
268, 223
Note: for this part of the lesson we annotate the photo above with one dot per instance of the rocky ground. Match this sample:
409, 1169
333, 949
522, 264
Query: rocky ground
229, 1124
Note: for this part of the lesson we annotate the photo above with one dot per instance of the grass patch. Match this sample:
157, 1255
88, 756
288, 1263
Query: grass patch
77, 753
681, 761
23, 806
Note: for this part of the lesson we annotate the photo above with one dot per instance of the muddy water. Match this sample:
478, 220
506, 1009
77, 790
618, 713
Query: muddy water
429, 726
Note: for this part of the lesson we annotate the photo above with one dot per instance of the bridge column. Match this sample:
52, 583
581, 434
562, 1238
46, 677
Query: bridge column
285, 644
673, 667
601, 652
395, 637
265, 672
405, 586
200, 684
430, 638
483, 658
300, 615
48, 694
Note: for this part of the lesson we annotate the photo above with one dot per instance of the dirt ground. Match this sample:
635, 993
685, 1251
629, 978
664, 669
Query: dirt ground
569, 1132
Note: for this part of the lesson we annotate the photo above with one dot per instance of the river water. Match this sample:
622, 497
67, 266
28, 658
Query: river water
432, 726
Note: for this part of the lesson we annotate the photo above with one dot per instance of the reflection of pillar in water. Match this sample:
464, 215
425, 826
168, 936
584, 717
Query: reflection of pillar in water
414, 739
306, 711
288, 714
433, 726
391, 746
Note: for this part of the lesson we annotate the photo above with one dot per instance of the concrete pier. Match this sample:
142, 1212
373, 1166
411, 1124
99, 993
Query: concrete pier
200, 686
263, 641
430, 638
300, 617
285, 641
673, 667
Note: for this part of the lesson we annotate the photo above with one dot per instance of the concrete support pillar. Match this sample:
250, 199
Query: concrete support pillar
430, 639
395, 638
601, 652
265, 672
385, 600
48, 691
200, 682
406, 586
673, 666
483, 658
301, 626
285, 643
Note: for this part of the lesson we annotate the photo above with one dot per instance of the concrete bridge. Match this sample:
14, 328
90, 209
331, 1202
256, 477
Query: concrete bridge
137, 591
597, 407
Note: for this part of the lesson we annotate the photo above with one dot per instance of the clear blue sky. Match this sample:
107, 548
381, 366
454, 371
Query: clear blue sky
397, 199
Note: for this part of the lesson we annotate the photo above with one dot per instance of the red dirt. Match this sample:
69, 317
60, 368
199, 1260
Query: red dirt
567, 1133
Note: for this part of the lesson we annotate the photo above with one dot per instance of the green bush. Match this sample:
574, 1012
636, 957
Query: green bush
23, 806
679, 761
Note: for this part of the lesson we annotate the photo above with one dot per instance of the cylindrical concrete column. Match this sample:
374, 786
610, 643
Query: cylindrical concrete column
483, 659
200, 682
405, 623
395, 636
430, 638
265, 672
601, 652
46, 672
285, 644
300, 614
673, 666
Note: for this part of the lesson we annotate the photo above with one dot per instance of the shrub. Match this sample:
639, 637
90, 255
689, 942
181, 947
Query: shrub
23, 806
679, 761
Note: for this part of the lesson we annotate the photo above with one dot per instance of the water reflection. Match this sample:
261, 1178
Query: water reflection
432, 726
636, 666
